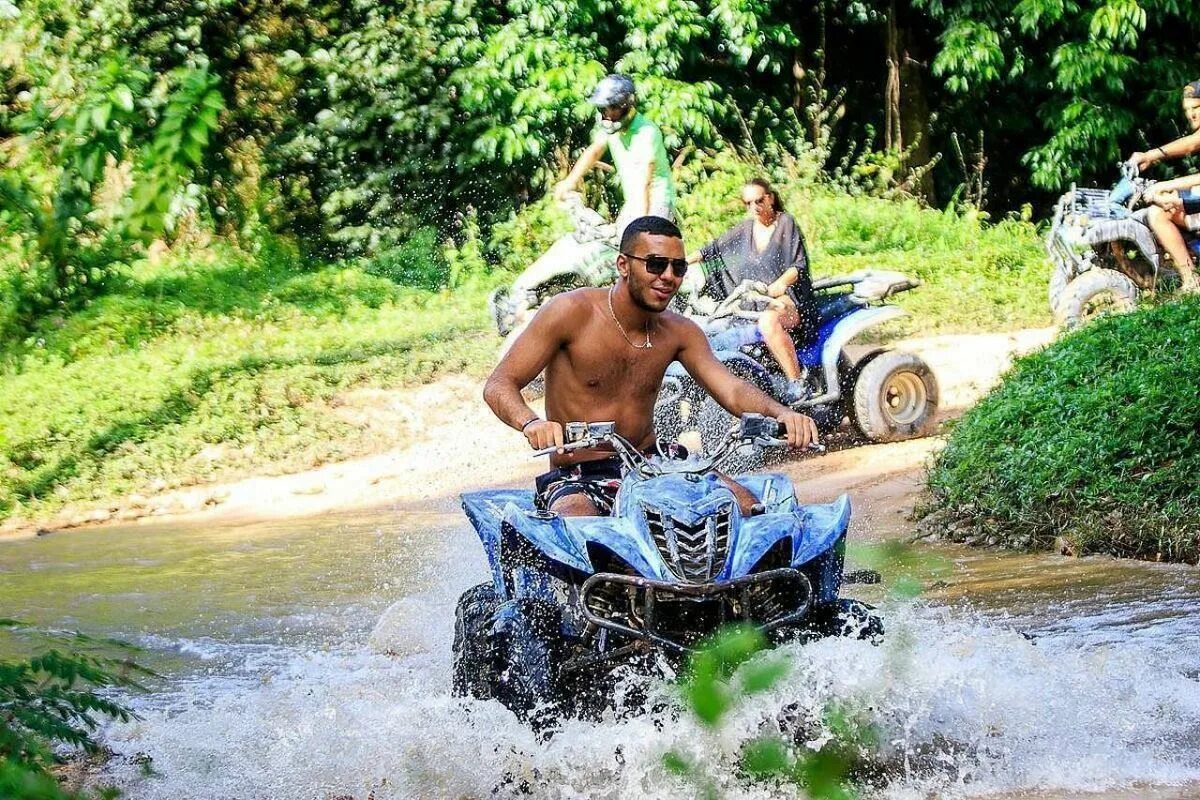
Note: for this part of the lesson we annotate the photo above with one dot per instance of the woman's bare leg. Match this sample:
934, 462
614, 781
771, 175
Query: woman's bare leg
775, 323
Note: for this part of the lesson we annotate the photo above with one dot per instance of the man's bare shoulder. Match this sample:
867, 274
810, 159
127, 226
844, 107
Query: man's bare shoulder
568, 305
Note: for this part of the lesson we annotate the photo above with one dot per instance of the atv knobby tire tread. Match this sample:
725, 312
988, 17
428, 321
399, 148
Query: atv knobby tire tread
530, 655
1091, 286
473, 667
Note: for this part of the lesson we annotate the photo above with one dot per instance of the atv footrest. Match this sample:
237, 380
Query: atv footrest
678, 615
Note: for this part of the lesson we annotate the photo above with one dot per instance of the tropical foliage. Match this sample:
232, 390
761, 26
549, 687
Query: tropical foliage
1075, 86
356, 125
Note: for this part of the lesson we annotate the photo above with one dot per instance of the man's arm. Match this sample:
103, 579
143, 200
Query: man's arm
531, 352
1177, 184
586, 161
1183, 146
648, 177
734, 394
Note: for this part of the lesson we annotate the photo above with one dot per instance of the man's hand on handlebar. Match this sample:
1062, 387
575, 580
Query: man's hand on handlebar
801, 430
1143, 160
544, 434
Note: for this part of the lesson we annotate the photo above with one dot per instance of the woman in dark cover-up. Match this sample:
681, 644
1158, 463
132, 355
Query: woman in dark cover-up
766, 247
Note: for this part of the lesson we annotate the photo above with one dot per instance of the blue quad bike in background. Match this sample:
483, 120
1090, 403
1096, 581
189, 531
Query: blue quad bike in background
572, 600
1103, 253
888, 395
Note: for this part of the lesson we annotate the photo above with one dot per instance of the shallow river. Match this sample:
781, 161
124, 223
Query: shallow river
311, 660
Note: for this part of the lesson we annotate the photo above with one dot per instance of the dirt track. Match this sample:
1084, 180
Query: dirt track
461, 446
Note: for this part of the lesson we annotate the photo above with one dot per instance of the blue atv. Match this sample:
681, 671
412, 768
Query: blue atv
889, 395
573, 599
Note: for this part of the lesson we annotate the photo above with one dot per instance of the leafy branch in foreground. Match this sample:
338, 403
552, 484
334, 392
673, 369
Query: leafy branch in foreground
730, 667
52, 699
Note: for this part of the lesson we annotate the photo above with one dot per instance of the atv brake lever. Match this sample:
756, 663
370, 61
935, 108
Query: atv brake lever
566, 448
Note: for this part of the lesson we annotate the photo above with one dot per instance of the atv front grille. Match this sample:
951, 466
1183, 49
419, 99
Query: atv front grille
695, 551
678, 615
1095, 203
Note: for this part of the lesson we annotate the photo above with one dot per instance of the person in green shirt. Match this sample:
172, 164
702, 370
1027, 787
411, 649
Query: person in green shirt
636, 146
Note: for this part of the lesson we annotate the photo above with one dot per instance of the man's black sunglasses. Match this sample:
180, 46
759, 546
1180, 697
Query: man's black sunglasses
657, 265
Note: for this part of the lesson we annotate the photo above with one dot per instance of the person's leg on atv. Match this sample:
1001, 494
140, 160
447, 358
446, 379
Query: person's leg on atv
745, 498
779, 318
575, 505
1168, 226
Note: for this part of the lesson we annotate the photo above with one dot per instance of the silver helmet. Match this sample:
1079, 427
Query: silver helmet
613, 91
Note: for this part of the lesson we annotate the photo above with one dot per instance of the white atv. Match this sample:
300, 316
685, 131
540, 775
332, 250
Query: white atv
1103, 251
584, 257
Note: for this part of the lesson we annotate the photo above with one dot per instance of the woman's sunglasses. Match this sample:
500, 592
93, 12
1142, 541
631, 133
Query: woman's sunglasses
657, 265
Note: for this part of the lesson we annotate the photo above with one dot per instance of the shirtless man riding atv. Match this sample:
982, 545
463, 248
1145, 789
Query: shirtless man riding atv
604, 352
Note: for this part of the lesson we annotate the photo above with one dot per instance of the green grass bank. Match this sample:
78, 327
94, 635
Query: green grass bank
215, 364
1095, 440
214, 368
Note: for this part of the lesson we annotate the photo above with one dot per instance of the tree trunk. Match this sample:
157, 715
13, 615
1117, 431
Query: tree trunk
907, 115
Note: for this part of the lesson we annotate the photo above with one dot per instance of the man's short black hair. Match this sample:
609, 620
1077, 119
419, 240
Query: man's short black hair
657, 226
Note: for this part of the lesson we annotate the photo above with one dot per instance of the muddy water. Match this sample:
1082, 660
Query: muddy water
311, 660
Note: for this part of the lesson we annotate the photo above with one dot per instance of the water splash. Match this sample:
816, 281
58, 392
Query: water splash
964, 704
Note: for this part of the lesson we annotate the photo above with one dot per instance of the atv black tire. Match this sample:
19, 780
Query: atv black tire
474, 672
848, 618
530, 654
844, 617
895, 398
1093, 294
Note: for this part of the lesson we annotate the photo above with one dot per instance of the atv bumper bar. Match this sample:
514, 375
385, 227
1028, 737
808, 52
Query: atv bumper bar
633, 606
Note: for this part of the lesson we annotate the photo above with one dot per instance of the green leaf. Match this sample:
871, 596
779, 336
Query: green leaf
123, 97
214, 101
208, 116
194, 151
198, 134
767, 757
677, 764
708, 700
101, 114
762, 675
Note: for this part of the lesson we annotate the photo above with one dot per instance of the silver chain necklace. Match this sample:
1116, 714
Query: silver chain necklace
621, 327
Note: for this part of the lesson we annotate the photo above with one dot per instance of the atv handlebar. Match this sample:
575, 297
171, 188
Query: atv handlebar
868, 286
753, 429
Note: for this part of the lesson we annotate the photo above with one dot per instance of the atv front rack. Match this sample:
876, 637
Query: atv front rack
633, 606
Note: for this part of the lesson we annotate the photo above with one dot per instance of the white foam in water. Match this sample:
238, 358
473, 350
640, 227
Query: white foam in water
964, 706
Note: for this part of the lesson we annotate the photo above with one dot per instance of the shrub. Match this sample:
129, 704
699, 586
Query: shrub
1095, 439
527, 234
417, 261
